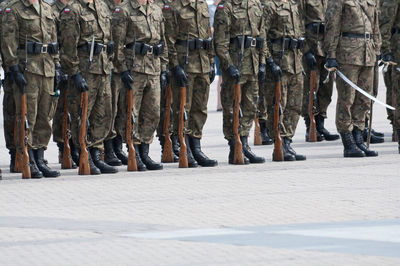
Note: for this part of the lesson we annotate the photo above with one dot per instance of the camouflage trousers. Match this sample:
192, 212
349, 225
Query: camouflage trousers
249, 94
396, 91
160, 127
352, 107
99, 110
262, 106
116, 84
40, 108
8, 114
197, 92
59, 115
387, 78
291, 103
120, 116
375, 88
323, 91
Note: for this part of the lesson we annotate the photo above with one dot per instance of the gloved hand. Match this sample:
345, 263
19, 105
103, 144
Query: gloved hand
59, 77
262, 73
388, 59
234, 73
310, 60
164, 79
18, 77
80, 82
274, 68
180, 76
212, 72
127, 79
331, 64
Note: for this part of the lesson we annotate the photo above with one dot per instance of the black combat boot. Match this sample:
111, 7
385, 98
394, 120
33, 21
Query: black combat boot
297, 156
61, 154
35, 172
350, 147
162, 142
287, 155
144, 155
307, 122
320, 122
121, 155
139, 163
198, 154
175, 147
93, 169
374, 139
109, 156
192, 163
104, 167
12, 160
47, 171
373, 132
74, 152
358, 138
231, 155
248, 153
265, 138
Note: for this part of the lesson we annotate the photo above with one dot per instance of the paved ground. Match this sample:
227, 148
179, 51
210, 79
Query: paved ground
325, 211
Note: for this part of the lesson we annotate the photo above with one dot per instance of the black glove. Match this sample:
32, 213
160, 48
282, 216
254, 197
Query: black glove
127, 79
212, 72
262, 73
274, 68
59, 77
18, 77
180, 76
80, 82
310, 60
331, 64
388, 58
234, 73
164, 79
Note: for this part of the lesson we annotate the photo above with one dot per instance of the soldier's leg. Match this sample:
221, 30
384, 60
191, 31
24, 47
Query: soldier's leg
58, 116
262, 117
387, 78
227, 105
73, 101
175, 116
396, 91
9, 120
120, 122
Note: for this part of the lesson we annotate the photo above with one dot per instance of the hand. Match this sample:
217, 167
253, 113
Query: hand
212, 72
59, 77
331, 64
180, 76
18, 77
262, 73
234, 73
127, 79
310, 60
388, 59
274, 68
80, 82
164, 79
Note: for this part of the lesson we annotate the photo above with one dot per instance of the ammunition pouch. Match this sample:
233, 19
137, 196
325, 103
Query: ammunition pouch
36, 48
257, 42
147, 49
316, 27
196, 44
290, 43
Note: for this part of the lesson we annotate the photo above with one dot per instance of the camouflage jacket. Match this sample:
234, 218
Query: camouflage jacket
356, 17
57, 8
189, 20
389, 23
131, 23
80, 20
21, 23
283, 18
232, 20
314, 12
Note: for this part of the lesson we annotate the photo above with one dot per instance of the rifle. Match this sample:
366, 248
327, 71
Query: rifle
183, 160
132, 164
66, 157
311, 97
257, 131
84, 168
167, 156
18, 155
395, 136
371, 112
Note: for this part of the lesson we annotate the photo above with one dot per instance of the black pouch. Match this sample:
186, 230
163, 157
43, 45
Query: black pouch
293, 44
247, 41
192, 45
199, 43
321, 28
53, 48
138, 48
158, 48
145, 49
97, 48
110, 47
300, 43
259, 42
287, 43
207, 44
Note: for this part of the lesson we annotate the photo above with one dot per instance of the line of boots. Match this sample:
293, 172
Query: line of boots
354, 146
248, 155
264, 132
38, 165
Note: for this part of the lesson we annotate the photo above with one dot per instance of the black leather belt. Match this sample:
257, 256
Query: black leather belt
40, 48
395, 31
367, 35
316, 27
290, 43
98, 47
144, 48
196, 44
249, 41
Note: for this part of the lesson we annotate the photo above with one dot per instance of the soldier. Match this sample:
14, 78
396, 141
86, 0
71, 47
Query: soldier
352, 42
235, 20
82, 20
314, 59
285, 30
390, 29
142, 61
190, 25
30, 49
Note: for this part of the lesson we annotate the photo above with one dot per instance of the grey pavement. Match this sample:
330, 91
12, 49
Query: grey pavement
327, 210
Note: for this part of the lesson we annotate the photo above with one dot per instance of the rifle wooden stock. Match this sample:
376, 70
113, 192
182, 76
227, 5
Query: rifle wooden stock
18, 155
395, 136
26, 171
238, 154
84, 168
183, 160
66, 162
277, 154
167, 156
132, 164
312, 133
257, 131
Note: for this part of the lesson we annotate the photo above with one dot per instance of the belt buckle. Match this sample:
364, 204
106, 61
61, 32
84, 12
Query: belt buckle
253, 42
367, 35
44, 49
151, 50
